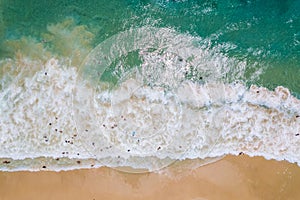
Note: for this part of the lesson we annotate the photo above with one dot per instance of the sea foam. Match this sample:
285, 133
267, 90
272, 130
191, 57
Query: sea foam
181, 102
54, 121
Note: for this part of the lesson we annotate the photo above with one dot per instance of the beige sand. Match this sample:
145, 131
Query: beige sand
231, 178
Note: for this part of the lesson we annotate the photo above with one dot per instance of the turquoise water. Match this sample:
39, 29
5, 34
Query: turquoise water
263, 32
144, 83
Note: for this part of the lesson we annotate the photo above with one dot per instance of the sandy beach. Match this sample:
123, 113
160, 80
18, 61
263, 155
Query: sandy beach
85, 84
233, 177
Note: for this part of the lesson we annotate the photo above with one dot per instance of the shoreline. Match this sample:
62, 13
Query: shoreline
233, 177
255, 121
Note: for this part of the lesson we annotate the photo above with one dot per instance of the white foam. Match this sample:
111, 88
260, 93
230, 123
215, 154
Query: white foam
168, 57
160, 127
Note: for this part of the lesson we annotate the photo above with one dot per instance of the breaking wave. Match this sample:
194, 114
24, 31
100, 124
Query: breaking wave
144, 98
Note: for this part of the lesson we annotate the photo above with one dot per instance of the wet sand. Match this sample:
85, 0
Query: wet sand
233, 177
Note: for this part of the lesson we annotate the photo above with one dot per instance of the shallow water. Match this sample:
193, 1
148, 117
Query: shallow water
114, 82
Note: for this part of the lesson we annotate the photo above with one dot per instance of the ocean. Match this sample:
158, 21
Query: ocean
138, 85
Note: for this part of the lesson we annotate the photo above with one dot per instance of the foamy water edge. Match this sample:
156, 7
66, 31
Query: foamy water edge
255, 121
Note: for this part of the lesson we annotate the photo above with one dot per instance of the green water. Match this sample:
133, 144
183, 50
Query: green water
262, 33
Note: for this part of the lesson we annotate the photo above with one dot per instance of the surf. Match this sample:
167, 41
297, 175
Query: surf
179, 98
